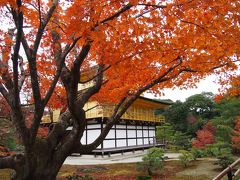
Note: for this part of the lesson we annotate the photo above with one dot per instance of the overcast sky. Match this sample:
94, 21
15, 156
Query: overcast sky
207, 85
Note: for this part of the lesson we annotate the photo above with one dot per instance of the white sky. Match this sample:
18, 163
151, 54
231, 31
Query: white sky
207, 85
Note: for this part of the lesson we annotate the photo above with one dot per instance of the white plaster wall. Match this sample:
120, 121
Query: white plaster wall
121, 133
131, 127
121, 143
131, 142
91, 126
140, 142
146, 141
108, 143
92, 135
121, 126
111, 134
131, 133
151, 127
139, 133
151, 133
145, 133
145, 127
83, 140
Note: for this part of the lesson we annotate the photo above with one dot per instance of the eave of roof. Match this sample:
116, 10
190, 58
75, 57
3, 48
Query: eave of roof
163, 101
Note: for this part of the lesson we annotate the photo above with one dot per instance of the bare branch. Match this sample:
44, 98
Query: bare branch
88, 80
23, 75
4, 92
89, 109
39, 12
43, 25
117, 14
152, 5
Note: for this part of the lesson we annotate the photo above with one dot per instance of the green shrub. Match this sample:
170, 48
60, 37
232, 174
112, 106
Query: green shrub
152, 161
225, 160
212, 151
185, 158
78, 177
217, 149
198, 153
144, 178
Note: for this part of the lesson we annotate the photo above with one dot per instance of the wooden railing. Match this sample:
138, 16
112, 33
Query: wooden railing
229, 171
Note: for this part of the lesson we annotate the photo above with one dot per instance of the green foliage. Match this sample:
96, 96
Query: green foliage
198, 153
191, 115
152, 161
228, 109
144, 178
165, 133
218, 149
201, 104
225, 160
11, 144
186, 157
181, 140
79, 177
177, 115
8, 134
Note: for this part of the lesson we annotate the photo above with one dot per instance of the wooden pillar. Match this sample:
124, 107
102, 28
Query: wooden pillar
126, 135
115, 135
136, 133
101, 132
142, 134
148, 135
86, 132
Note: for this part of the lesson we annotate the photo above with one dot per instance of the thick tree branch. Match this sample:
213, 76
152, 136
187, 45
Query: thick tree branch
59, 129
12, 162
84, 96
80, 58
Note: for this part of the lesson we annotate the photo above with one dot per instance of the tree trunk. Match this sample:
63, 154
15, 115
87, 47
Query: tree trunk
40, 164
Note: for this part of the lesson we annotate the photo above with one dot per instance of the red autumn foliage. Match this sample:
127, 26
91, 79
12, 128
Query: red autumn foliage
4, 108
204, 136
42, 131
192, 120
209, 127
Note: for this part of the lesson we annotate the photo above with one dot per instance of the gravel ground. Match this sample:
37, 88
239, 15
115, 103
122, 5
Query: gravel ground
127, 157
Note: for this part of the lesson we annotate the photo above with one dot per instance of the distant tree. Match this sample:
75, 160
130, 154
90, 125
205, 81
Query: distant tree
204, 137
177, 116
191, 115
227, 111
201, 104
181, 140
165, 133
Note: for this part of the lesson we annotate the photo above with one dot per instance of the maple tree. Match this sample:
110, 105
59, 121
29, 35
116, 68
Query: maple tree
135, 46
205, 136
